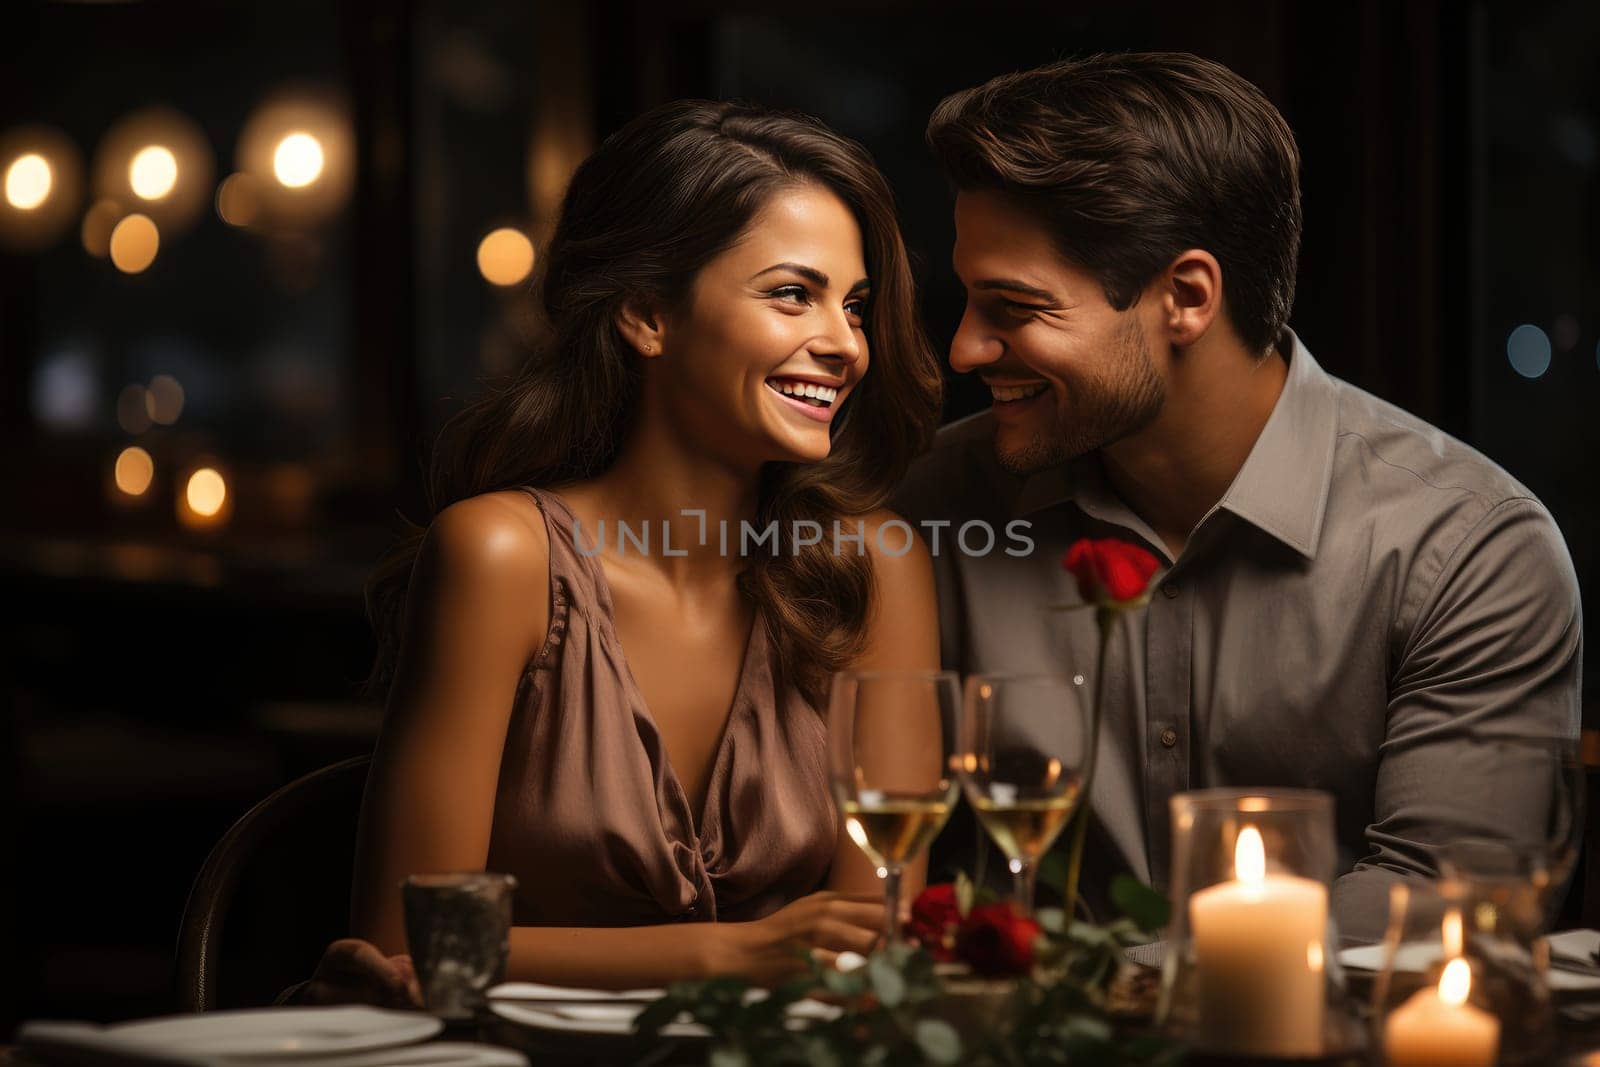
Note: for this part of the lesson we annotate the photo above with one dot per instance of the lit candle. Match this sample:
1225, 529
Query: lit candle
1438, 1028
1258, 958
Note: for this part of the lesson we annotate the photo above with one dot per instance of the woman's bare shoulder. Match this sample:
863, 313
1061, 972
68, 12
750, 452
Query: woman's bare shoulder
491, 540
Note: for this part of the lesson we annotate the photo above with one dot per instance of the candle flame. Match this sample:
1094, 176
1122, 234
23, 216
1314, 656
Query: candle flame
1314, 956
1249, 856
1456, 982
1451, 933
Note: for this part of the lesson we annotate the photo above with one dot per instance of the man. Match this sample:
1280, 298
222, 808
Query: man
1352, 601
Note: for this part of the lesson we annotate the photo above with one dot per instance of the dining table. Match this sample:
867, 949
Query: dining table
1577, 1042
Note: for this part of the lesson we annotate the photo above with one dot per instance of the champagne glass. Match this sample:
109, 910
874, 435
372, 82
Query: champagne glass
890, 737
1025, 752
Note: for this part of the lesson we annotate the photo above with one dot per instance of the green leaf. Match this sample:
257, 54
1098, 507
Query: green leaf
966, 893
728, 1057
1140, 903
887, 981
1087, 1028
1051, 920
843, 983
1053, 871
658, 1014
818, 1053
938, 1040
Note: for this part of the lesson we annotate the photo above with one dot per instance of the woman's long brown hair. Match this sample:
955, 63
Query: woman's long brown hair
641, 217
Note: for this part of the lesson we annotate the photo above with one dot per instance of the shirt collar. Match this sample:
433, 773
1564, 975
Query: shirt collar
1283, 486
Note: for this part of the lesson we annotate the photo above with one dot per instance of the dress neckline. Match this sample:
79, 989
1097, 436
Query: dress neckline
716, 772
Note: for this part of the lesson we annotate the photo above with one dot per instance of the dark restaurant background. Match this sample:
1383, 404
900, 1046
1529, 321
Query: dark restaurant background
203, 452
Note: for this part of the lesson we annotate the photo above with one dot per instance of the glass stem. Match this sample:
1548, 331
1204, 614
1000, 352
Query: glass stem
891, 893
1024, 876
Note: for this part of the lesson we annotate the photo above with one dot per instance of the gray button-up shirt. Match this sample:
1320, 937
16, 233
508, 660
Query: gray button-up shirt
1367, 601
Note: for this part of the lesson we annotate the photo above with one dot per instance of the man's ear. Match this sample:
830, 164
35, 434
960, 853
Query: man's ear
1191, 295
641, 326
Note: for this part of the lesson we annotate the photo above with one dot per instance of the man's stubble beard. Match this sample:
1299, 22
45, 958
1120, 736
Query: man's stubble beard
1125, 402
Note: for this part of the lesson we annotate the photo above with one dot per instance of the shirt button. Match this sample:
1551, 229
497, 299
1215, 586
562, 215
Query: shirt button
1169, 590
1169, 737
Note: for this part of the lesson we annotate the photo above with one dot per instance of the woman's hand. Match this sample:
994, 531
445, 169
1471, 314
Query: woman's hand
357, 972
821, 925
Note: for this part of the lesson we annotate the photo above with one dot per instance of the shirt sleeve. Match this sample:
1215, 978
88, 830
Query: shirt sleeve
1495, 652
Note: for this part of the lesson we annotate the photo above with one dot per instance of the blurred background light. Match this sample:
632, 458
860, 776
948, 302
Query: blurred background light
204, 500
297, 161
153, 172
98, 222
134, 243
160, 158
42, 171
66, 389
135, 470
133, 410
1528, 348
206, 491
238, 202
28, 181
505, 256
163, 400
298, 148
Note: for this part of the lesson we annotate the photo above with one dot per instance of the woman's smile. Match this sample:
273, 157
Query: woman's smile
811, 399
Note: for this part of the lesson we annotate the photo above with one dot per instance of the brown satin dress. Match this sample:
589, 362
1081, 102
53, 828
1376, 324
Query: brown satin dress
588, 813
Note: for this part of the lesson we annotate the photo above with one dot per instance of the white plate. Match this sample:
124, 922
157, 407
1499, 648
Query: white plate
432, 1054
1415, 957
552, 1018
279, 1033
536, 991
616, 1017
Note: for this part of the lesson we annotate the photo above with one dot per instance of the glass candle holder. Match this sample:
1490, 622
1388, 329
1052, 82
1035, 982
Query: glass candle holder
1462, 982
1250, 969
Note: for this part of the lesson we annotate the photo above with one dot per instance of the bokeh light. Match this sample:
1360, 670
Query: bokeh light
206, 492
163, 400
153, 172
98, 222
135, 470
28, 181
505, 256
133, 410
41, 186
298, 147
1528, 349
297, 161
238, 202
134, 243
159, 159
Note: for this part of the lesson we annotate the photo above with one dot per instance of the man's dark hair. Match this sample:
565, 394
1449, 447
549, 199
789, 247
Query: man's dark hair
1132, 158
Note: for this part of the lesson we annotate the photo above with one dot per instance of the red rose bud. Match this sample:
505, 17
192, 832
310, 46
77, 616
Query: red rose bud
996, 940
934, 916
1110, 570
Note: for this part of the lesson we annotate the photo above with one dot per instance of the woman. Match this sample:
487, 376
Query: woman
637, 735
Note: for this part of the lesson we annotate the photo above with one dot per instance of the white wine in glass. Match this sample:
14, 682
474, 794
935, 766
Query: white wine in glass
890, 739
1024, 756
892, 829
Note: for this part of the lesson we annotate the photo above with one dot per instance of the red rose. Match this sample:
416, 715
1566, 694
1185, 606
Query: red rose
997, 940
1110, 570
934, 916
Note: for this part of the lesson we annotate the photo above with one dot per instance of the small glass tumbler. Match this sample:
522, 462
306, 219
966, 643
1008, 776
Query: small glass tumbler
1462, 980
458, 927
1250, 968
